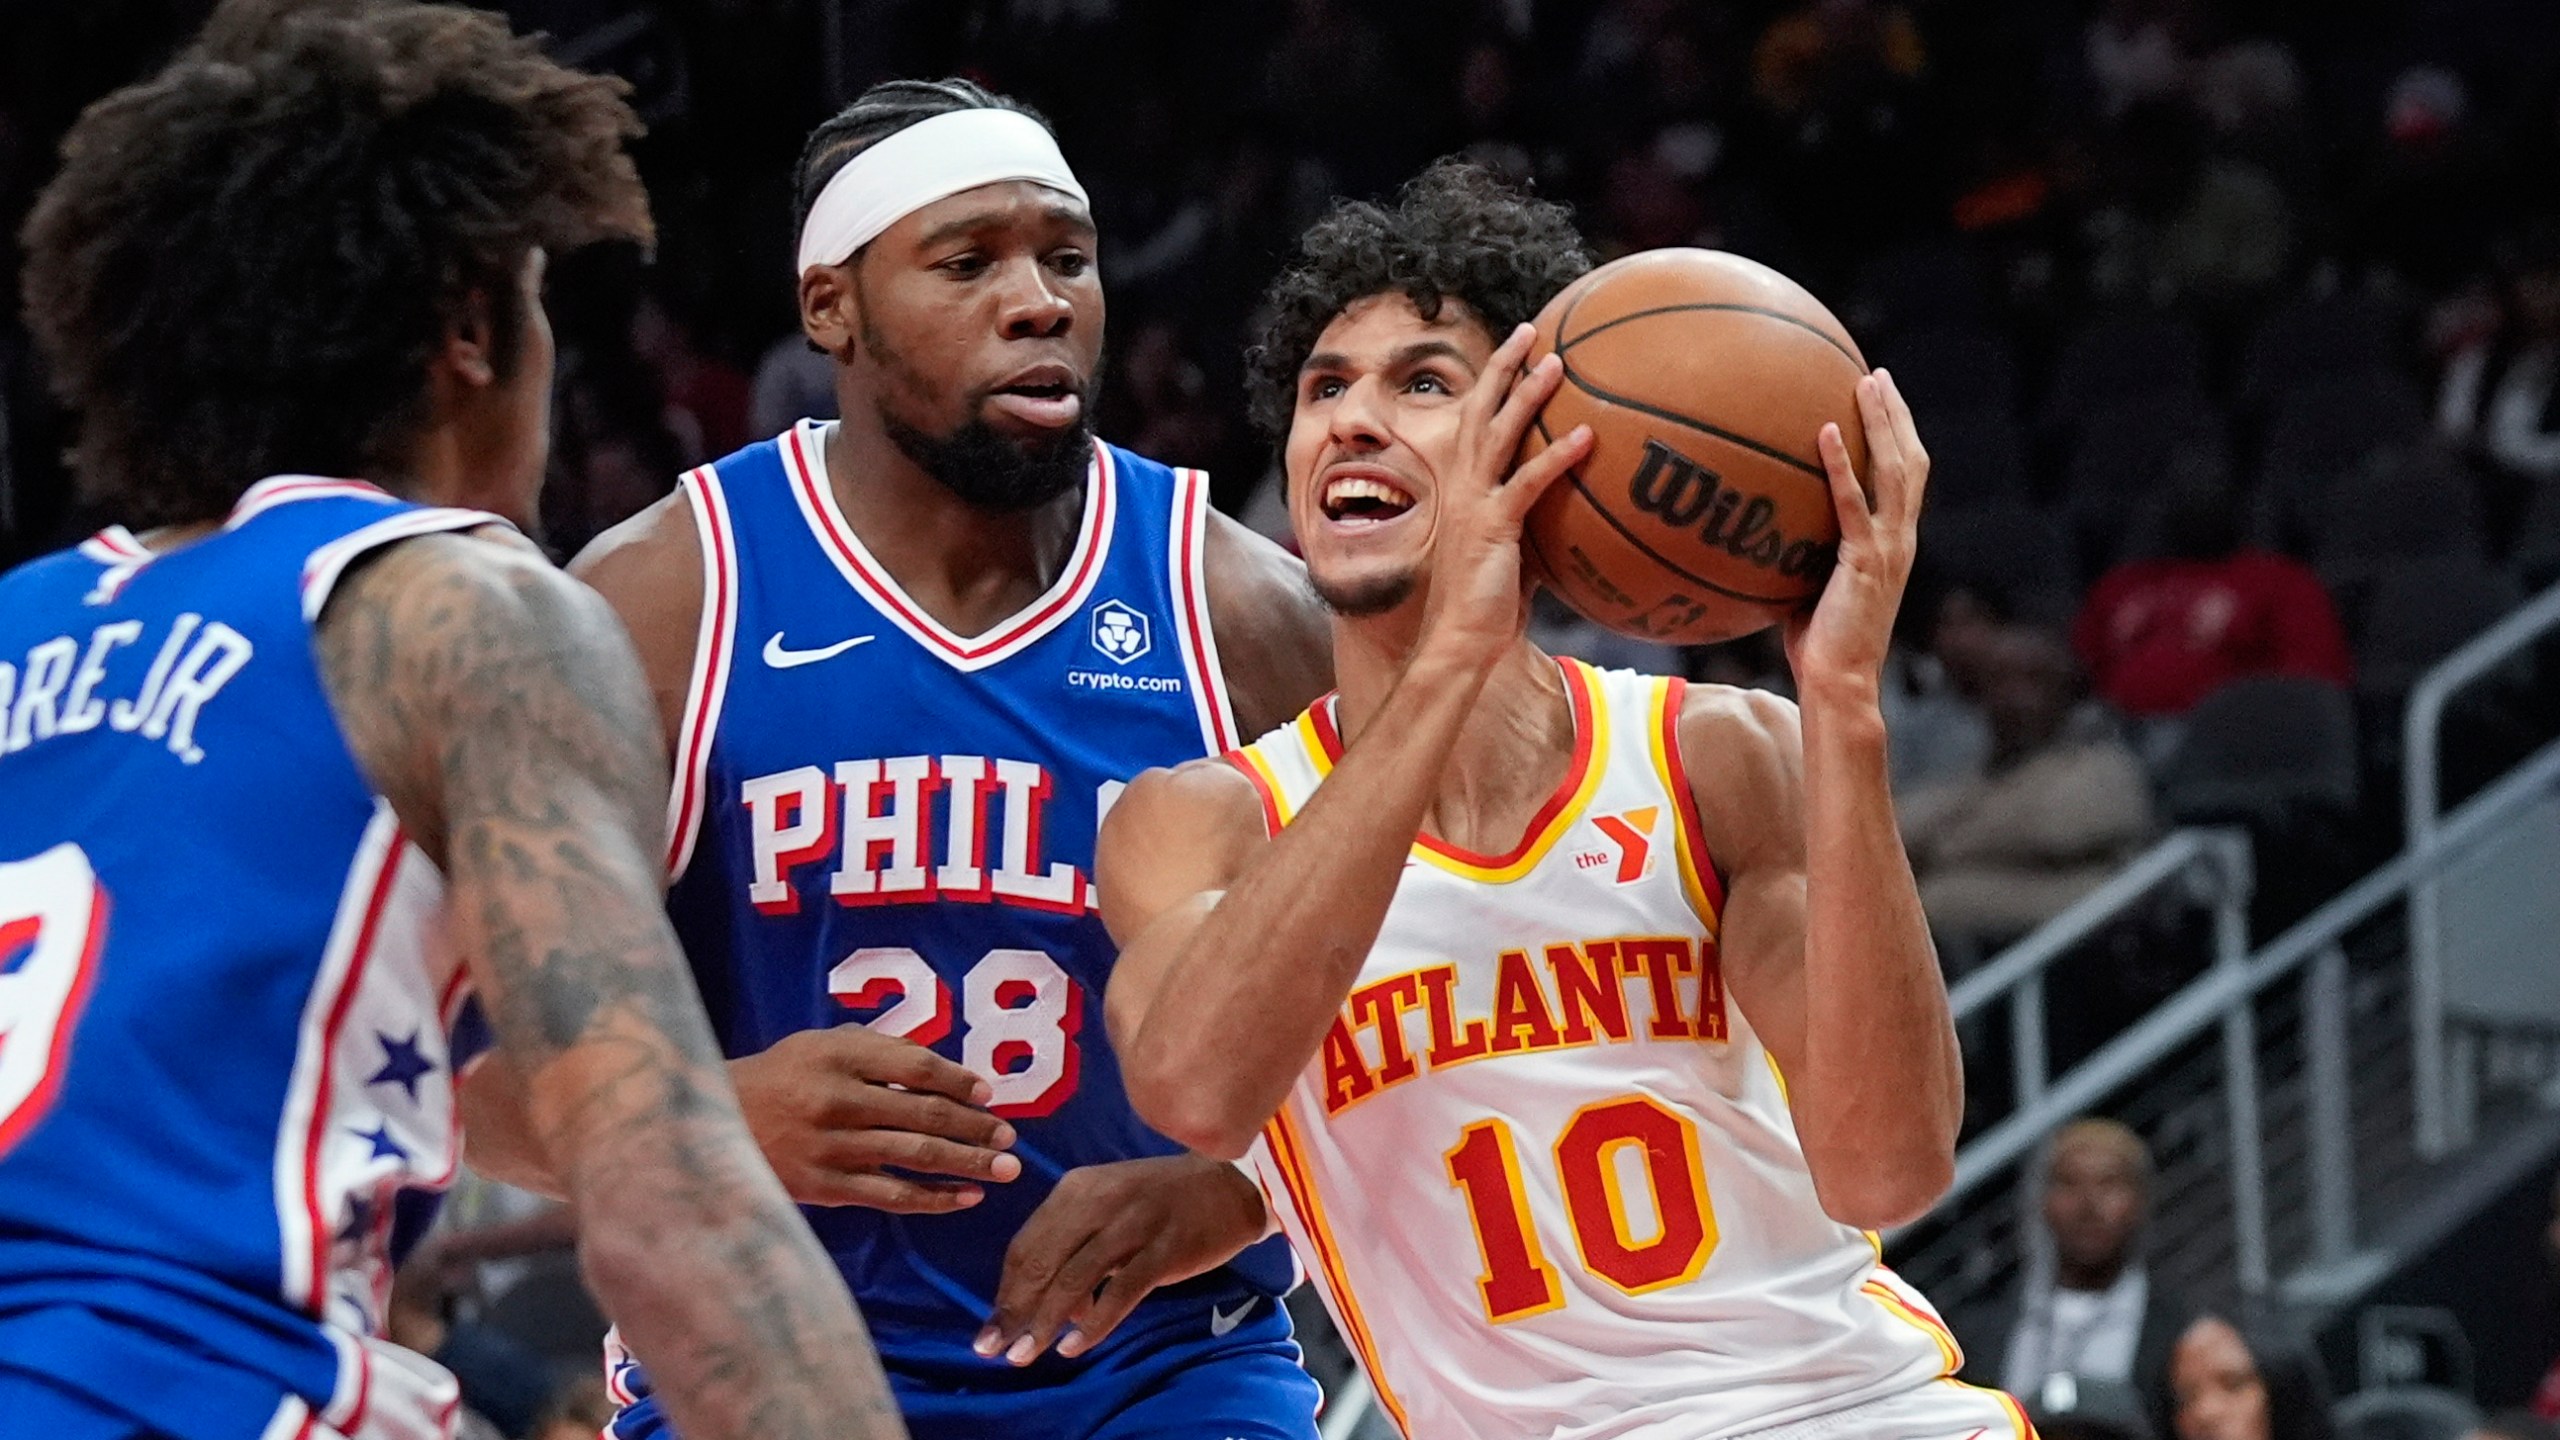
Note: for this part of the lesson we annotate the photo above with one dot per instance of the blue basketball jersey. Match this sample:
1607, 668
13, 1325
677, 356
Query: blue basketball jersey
878, 822
225, 1003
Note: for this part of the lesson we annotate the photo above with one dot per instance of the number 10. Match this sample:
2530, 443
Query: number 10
1518, 1281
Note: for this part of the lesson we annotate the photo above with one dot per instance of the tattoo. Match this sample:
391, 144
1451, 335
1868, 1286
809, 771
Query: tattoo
497, 705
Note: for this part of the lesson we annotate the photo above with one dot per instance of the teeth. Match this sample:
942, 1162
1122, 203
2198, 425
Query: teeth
1344, 490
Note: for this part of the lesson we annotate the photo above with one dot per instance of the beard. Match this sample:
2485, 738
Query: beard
1361, 599
980, 464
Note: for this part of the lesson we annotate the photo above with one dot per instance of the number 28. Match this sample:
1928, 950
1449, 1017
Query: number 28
1022, 1011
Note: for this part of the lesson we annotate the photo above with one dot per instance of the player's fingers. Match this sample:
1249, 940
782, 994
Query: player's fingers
1070, 1293
1501, 370
1048, 1274
1520, 494
875, 1108
1510, 425
1120, 1294
924, 1154
1906, 434
1848, 502
1885, 469
892, 1060
886, 1192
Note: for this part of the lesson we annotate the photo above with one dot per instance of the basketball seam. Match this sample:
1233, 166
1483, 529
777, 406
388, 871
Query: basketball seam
1666, 562
1779, 315
1743, 441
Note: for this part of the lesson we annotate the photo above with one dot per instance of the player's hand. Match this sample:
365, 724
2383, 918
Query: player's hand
1845, 635
833, 1109
1479, 602
1125, 1228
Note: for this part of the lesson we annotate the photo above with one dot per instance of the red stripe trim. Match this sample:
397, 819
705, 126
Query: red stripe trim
691, 765
1684, 799
321, 1231
40, 1099
117, 542
1578, 692
1195, 602
1261, 790
885, 593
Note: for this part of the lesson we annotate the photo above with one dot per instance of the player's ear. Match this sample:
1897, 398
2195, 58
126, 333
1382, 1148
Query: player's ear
469, 351
831, 308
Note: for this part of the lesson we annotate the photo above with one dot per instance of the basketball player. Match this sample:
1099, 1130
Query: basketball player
271, 762
908, 660
1587, 1017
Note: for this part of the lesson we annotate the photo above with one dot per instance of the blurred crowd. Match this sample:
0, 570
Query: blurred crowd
2233, 329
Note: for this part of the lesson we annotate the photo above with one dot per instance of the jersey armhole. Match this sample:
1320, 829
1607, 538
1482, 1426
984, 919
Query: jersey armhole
327, 565
1699, 878
1266, 789
1187, 555
707, 687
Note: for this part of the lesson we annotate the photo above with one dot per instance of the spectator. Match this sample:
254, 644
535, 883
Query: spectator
2096, 1318
2231, 1383
1932, 677
2514, 1425
2158, 635
2546, 1396
793, 382
2184, 224
2498, 395
2062, 803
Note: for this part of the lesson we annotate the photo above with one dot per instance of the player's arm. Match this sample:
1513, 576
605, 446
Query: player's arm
497, 705
1824, 944
845, 1116
1275, 641
1235, 959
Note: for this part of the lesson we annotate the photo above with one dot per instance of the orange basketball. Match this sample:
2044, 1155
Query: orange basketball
1702, 512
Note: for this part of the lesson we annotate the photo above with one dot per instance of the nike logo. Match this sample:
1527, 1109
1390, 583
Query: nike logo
1221, 1322
781, 659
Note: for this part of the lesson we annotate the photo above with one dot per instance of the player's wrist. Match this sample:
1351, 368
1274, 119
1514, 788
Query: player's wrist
1849, 694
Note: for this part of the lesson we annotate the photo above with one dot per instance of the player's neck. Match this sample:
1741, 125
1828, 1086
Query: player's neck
1512, 749
969, 568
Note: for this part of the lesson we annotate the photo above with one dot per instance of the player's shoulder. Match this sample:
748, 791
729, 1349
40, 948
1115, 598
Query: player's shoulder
1739, 740
1208, 793
1272, 631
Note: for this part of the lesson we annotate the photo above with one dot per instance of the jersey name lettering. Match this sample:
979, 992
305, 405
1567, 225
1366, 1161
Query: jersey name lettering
906, 829
1640, 987
56, 688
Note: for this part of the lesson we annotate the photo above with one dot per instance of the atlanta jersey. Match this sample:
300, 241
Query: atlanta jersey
224, 997
1542, 1169
879, 822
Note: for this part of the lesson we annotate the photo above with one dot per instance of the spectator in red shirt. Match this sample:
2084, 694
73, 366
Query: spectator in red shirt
2159, 635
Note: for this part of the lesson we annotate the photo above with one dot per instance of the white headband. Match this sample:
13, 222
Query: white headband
928, 161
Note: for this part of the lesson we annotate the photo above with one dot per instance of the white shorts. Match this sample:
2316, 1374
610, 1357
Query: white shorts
1939, 1410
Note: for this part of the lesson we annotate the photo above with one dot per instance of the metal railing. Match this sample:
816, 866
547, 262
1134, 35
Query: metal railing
2422, 733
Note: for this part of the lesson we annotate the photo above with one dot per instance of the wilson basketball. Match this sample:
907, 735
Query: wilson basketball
1702, 512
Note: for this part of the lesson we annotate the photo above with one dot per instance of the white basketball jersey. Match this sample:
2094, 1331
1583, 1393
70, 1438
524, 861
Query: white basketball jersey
1542, 1169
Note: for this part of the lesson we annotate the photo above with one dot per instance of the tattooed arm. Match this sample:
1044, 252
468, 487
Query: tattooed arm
497, 704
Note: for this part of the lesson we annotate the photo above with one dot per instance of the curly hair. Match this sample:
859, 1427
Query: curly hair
1455, 232
874, 116
248, 260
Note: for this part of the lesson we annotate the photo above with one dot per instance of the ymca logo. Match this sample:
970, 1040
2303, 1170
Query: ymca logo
1630, 844
1120, 632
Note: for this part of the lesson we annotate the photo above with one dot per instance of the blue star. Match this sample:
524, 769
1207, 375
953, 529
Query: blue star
401, 1063
359, 1220
383, 1144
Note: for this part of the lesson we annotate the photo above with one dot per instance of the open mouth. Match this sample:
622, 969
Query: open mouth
1044, 396
1363, 499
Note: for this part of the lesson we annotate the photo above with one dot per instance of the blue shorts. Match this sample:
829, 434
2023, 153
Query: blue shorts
1171, 1379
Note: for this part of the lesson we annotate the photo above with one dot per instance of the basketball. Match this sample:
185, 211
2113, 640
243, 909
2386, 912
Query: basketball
1703, 512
